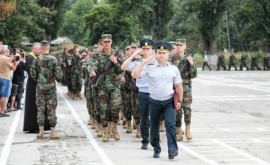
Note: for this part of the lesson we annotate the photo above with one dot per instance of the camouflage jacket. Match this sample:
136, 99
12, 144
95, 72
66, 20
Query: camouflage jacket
221, 59
244, 58
76, 65
255, 60
112, 77
266, 59
188, 75
85, 65
45, 70
232, 59
63, 58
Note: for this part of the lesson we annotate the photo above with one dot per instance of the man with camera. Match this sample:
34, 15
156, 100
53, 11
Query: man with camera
6, 65
16, 80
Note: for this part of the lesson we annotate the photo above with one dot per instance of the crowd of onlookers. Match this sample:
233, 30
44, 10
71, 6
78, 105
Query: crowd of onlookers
12, 77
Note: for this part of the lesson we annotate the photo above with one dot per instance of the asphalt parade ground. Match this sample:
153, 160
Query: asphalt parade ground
230, 125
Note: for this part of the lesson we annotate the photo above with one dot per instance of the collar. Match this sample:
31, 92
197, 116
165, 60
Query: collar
33, 54
157, 64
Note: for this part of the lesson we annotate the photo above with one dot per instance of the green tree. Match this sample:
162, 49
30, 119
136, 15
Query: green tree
253, 20
23, 22
209, 14
105, 19
73, 24
54, 17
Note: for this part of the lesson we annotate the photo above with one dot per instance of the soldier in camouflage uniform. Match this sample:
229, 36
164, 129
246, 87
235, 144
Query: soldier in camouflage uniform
68, 71
232, 61
109, 93
90, 96
45, 70
191, 73
221, 61
244, 61
254, 62
130, 101
96, 124
266, 60
124, 112
62, 62
76, 77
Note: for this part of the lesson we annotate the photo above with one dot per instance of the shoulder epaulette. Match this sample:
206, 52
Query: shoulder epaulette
139, 60
171, 63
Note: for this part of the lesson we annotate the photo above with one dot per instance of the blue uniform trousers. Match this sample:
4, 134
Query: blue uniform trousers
157, 108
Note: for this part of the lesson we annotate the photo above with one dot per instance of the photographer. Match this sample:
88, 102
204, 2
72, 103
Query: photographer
18, 74
5, 67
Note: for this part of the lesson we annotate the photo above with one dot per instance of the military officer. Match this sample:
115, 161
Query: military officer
142, 84
162, 77
45, 70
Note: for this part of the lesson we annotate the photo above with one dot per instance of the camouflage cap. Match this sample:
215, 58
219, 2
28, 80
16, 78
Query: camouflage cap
128, 47
148, 37
90, 48
133, 44
181, 41
173, 43
45, 43
106, 37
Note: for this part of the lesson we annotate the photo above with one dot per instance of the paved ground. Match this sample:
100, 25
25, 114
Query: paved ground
230, 125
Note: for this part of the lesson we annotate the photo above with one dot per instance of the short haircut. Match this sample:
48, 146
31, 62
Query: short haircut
3, 49
35, 44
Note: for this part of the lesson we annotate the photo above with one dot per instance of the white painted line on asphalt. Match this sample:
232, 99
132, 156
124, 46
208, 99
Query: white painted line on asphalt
257, 140
88, 133
196, 154
215, 155
6, 150
207, 151
236, 99
228, 82
240, 152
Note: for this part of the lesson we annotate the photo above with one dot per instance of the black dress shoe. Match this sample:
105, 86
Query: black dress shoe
173, 154
144, 146
156, 155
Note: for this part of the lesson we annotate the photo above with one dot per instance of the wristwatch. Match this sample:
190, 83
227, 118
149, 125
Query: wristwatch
180, 102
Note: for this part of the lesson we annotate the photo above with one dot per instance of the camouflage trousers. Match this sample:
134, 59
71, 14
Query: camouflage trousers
46, 100
123, 97
64, 74
68, 81
131, 106
254, 65
243, 64
109, 101
232, 64
95, 105
89, 100
221, 64
187, 100
76, 82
